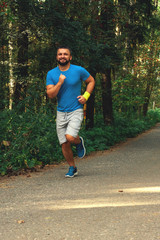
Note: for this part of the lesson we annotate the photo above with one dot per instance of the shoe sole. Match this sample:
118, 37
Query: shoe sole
68, 176
83, 147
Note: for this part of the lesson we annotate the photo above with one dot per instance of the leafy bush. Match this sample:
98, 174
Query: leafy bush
102, 137
30, 138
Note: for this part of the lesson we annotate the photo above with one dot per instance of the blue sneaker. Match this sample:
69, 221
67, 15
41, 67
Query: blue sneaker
81, 151
72, 172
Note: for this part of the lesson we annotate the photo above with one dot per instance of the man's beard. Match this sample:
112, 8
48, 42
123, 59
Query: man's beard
63, 63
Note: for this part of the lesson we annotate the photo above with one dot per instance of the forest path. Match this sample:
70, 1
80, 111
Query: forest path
116, 196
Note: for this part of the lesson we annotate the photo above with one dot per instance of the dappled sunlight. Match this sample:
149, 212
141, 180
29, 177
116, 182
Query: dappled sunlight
109, 198
97, 203
143, 190
113, 198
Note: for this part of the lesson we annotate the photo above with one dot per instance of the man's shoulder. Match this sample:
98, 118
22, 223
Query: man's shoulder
76, 67
53, 70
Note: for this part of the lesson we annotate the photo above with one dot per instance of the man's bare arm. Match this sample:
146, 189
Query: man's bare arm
53, 90
90, 86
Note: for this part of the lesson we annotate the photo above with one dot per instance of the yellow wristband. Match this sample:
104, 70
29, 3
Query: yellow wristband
86, 95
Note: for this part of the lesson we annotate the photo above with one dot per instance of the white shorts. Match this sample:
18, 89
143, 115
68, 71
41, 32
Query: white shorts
68, 123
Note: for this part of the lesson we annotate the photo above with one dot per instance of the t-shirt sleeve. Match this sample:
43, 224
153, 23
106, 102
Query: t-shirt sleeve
84, 74
49, 80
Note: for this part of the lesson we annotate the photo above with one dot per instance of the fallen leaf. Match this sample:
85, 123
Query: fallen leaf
20, 221
120, 190
6, 143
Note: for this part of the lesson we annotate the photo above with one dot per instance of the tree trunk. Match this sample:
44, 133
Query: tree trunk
147, 96
22, 58
146, 103
3, 67
107, 97
11, 78
90, 112
21, 84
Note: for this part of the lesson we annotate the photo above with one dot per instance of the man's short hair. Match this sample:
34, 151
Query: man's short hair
65, 47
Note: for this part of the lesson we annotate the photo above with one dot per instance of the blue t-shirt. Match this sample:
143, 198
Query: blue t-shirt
70, 89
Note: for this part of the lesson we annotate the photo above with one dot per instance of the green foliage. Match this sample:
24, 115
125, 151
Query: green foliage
29, 139
153, 116
102, 137
101, 34
128, 94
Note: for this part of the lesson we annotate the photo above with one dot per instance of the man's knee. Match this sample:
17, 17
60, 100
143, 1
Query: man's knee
70, 138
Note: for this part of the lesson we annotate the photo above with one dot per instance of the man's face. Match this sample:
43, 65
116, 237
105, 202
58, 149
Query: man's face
63, 56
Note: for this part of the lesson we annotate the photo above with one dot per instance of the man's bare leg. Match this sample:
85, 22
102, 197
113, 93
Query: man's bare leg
79, 142
72, 139
68, 154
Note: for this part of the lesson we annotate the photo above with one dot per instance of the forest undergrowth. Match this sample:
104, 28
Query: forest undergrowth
29, 139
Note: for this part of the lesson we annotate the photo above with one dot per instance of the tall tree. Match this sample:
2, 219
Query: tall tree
107, 46
3, 55
22, 56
